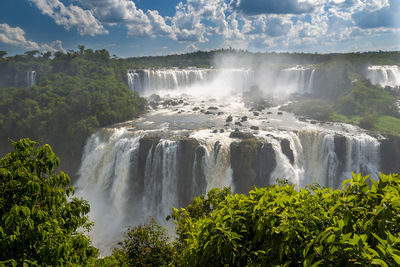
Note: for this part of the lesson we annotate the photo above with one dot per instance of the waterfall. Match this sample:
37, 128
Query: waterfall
142, 80
30, 78
121, 194
384, 75
297, 79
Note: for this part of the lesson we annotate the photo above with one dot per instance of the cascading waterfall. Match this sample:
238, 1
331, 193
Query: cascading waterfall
30, 78
184, 146
297, 79
110, 176
384, 75
142, 80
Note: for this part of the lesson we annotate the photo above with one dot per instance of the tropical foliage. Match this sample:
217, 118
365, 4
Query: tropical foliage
75, 94
39, 218
279, 225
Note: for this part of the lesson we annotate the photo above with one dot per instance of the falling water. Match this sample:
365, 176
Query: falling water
384, 75
30, 78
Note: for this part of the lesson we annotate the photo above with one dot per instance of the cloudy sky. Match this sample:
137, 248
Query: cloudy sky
158, 27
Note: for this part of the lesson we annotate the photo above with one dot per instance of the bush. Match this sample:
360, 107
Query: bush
144, 245
39, 218
358, 225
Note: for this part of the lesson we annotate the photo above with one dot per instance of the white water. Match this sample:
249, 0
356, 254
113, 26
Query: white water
30, 78
384, 75
120, 195
296, 79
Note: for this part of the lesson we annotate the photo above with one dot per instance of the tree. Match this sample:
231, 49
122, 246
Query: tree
39, 218
2, 53
144, 245
279, 225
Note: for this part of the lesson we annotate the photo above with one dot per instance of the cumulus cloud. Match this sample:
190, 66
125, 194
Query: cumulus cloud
138, 22
15, 36
378, 14
255, 7
71, 16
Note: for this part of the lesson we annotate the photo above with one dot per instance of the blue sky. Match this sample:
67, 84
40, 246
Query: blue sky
159, 27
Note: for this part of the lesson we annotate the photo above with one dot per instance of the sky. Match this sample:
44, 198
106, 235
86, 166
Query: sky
129, 28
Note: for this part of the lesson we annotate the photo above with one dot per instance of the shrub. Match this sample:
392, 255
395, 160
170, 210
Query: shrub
39, 218
279, 225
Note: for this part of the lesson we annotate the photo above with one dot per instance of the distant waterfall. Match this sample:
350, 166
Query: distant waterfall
141, 80
297, 79
128, 178
384, 75
30, 78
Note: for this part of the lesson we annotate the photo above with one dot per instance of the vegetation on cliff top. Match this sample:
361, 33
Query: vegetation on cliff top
76, 93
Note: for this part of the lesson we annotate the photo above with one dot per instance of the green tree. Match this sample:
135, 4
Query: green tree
144, 245
39, 218
282, 226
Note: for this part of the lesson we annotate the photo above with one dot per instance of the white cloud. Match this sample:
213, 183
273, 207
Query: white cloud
71, 16
15, 36
53, 47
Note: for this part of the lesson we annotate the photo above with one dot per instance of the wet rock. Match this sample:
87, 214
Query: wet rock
174, 103
153, 104
199, 184
227, 125
180, 101
256, 113
221, 130
252, 164
340, 151
212, 108
220, 113
238, 123
196, 109
186, 104
229, 119
254, 127
185, 158
243, 119
208, 112
155, 98
279, 113
269, 112
390, 154
313, 122
240, 135
203, 110
215, 131
285, 148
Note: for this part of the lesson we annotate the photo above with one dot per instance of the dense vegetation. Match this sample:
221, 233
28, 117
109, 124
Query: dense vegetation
369, 106
207, 59
39, 219
282, 226
273, 226
75, 94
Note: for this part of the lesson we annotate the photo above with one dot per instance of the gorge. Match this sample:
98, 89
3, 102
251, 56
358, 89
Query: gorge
209, 128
